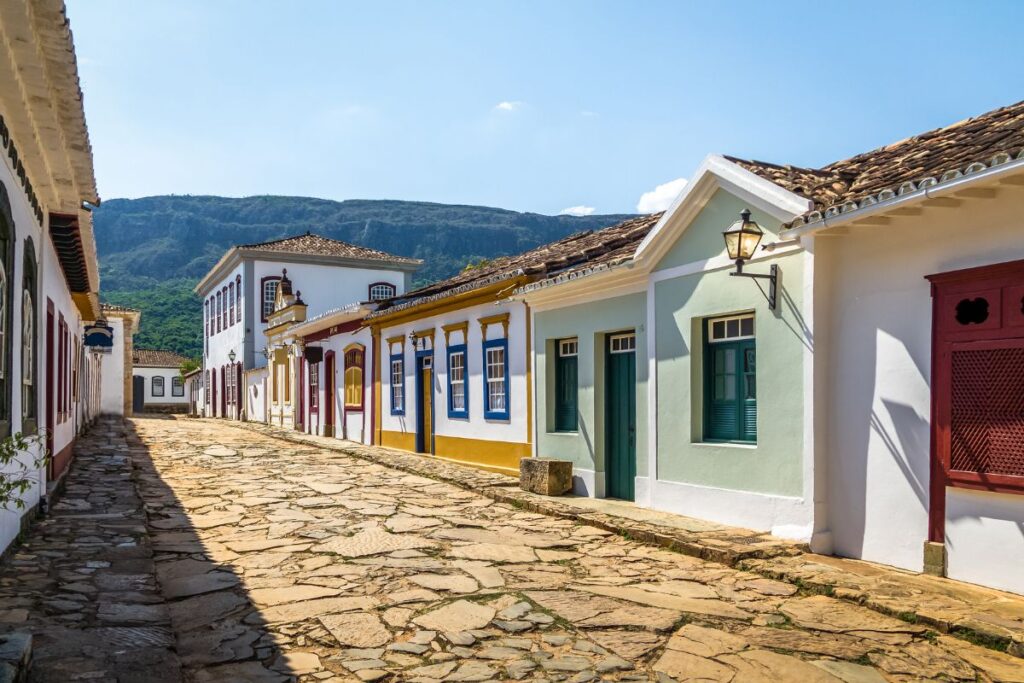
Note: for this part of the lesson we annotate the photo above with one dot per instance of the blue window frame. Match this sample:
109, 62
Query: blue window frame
397, 383
458, 384
496, 398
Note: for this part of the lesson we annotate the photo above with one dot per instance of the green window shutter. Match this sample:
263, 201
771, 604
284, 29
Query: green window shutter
565, 393
730, 391
748, 395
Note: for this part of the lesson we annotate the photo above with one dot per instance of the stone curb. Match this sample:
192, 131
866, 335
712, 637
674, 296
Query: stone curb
743, 555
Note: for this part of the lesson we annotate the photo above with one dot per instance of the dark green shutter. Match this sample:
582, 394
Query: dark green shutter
565, 393
730, 391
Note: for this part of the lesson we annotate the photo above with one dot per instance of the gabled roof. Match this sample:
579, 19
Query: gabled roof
930, 158
306, 248
607, 246
154, 358
318, 245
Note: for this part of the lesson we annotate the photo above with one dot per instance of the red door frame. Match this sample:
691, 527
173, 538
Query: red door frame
328, 408
213, 392
49, 384
1002, 287
239, 403
223, 393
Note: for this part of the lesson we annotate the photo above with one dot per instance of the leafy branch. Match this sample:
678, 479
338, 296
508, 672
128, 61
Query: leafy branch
17, 480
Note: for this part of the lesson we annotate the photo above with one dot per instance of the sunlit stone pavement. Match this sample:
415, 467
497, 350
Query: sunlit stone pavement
280, 561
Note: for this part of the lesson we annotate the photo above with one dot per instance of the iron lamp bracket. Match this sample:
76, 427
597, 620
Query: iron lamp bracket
772, 276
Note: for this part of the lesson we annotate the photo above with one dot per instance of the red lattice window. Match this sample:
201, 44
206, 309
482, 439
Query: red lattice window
987, 410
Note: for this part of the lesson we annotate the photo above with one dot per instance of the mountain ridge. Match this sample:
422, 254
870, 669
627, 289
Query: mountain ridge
153, 250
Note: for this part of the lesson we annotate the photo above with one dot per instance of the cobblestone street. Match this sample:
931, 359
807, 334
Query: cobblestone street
266, 560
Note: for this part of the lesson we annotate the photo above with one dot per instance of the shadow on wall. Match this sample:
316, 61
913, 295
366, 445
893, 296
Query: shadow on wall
220, 634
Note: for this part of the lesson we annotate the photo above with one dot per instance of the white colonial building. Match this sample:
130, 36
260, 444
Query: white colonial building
157, 382
239, 294
49, 278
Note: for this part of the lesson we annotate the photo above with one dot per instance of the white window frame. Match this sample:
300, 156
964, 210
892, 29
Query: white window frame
177, 386
713, 338
624, 342
387, 289
568, 348
153, 386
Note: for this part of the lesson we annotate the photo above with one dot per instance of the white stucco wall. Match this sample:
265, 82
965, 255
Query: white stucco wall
351, 424
112, 372
168, 374
255, 382
476, 426
878, 390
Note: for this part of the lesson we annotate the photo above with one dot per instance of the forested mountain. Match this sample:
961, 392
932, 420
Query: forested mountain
154, 250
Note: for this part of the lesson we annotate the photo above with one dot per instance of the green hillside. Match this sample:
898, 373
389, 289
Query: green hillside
153, 250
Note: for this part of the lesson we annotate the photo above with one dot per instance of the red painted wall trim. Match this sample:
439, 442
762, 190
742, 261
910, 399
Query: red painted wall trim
343, 328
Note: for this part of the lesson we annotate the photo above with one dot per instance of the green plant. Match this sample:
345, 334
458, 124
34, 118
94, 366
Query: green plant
17, 474
188, 366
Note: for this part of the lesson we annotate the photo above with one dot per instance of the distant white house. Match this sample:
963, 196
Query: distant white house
239, 294
157, 379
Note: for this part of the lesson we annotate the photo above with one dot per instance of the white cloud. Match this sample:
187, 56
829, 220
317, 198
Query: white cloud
660, 197
508, 105
577, 211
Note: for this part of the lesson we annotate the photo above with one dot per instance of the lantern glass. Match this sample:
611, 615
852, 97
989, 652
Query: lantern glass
231, 355
742, 238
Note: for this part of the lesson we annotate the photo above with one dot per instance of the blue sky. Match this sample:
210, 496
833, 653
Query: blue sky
527, 105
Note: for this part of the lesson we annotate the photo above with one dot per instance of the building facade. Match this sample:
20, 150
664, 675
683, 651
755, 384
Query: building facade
49, 277
158, 382
239, 295
889, 367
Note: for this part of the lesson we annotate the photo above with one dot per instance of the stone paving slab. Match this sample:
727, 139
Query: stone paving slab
349, 570
975, 613
83, 582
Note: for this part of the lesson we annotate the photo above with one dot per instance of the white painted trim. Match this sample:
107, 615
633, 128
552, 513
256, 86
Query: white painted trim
624, 281
720, 262
651, 330
641, 490
713, 173
783, 516
587, 483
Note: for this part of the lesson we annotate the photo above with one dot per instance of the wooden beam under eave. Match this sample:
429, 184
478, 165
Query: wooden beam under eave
1014, 180
873, 221
833, 232
977, 192
906, 211
942, 203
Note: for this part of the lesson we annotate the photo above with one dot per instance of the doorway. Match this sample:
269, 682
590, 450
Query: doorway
329, 393
424, 401
620, 415
138, 394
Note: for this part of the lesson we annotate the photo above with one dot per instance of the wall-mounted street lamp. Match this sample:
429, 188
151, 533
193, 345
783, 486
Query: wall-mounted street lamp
741, 240
266, 352
231, 355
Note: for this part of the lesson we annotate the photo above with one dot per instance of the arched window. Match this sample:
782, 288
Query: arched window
219, 315
6, 271
177, 386
381, 290
158, 386
269, 288
231, 301
238, 298
354, 378
206, 316
29, 345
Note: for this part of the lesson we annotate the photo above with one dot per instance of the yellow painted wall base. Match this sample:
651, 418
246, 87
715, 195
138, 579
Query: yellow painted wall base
403, 441
497, 456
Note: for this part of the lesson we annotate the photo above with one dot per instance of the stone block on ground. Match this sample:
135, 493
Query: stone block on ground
546, 476
15, 657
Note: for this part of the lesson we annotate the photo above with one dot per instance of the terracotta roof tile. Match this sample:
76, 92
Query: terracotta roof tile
318, 245
928, 155
153, 358
607, 246
112, 308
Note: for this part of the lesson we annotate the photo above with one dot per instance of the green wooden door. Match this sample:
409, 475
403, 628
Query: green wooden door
620, 416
